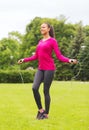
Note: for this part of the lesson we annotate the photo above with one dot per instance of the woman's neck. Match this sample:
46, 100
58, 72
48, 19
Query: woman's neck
45, 37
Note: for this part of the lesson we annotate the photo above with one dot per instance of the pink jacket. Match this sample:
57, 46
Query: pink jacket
44, 54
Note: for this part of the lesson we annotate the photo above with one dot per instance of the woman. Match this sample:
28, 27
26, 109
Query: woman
46, 67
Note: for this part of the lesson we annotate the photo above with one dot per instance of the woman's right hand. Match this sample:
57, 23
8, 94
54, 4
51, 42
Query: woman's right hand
20, 61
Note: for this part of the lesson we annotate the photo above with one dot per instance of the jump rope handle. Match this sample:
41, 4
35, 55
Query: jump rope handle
20, 61
73, 61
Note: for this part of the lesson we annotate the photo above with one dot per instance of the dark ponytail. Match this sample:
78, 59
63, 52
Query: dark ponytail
51, 32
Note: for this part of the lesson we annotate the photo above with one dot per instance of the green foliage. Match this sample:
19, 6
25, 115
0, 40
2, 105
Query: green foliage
79, 53
15, 76
16, 36
77, 42
9, 52
84, 61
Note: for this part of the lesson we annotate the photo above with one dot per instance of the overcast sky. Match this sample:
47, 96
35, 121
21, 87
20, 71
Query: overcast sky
16, 14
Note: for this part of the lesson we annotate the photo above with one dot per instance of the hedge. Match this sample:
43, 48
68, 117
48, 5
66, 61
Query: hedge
25, 76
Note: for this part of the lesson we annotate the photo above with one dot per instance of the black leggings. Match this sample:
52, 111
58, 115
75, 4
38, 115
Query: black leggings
45, 76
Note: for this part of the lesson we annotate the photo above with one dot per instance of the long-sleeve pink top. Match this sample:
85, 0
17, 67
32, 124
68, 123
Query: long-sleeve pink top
44, 52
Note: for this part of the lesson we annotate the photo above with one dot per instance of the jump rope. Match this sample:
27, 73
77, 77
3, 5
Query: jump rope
22, 79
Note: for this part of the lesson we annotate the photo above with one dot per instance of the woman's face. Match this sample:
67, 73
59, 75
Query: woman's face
44, 29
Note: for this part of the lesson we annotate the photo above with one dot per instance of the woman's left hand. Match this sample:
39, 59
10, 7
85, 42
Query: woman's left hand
73, 61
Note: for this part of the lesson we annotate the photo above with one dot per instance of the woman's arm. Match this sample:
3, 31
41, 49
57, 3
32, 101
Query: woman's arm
60, 56
34, 57
58, 53
31, 58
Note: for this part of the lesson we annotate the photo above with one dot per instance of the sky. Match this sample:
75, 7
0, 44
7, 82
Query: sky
16, 14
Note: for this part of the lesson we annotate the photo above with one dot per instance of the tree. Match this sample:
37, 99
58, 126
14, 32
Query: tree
75, 47
9, 52
84, 61
77, 42
16, 36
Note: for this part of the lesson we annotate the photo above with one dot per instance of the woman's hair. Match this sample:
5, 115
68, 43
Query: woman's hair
51, 32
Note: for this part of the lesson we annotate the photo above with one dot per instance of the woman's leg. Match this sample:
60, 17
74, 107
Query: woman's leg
48, 78
37, 81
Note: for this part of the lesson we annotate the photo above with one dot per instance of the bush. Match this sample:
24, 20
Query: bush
13, 76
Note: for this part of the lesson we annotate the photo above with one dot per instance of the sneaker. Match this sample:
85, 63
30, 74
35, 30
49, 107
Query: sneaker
44, 116
39, 114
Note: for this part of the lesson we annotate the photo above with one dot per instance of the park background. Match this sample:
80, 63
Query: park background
19, 35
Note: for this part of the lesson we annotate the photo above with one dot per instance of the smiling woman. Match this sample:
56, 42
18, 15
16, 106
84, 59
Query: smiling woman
44, 30
46, 67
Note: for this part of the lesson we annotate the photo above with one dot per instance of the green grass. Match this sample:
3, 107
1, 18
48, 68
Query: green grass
69, 107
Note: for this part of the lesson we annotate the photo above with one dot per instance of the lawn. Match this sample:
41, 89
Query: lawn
69, 107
